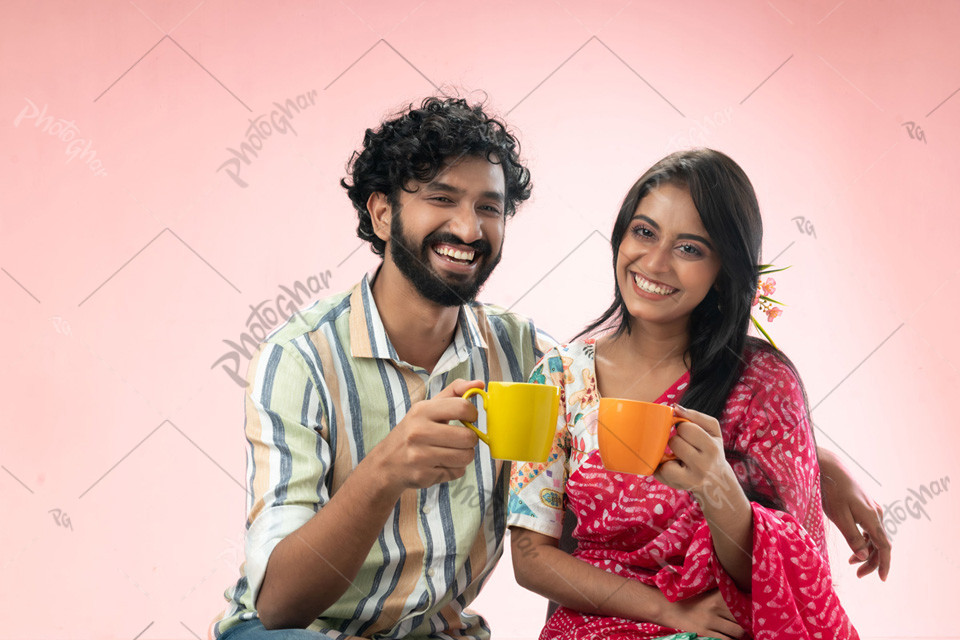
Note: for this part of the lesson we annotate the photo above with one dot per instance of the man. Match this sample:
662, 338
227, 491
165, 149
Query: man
369, 514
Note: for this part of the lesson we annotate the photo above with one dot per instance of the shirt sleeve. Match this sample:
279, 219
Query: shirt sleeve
288, 457
537, 498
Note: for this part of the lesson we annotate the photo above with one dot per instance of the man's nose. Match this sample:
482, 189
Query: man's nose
465, 223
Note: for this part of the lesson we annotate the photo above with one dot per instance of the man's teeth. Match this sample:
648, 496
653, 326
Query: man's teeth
649, 287
456, 254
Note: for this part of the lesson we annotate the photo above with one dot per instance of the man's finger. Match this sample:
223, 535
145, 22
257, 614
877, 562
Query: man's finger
447, 409
459, 387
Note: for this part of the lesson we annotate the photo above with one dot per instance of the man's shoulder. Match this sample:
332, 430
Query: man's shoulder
493, 313
312, 318
513, 325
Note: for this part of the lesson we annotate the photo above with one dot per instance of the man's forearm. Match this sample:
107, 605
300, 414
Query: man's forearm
316, 564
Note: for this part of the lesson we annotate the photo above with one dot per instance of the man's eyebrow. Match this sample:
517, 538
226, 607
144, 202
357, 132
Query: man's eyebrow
446, 187
682, 236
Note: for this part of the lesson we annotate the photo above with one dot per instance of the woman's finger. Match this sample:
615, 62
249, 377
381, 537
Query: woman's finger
706, 422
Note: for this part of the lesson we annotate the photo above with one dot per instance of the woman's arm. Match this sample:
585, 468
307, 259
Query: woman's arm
851, 509
702, 469
543, 568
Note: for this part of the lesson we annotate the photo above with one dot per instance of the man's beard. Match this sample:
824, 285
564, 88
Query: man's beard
414, 263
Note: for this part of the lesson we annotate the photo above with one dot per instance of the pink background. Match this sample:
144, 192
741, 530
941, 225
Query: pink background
128, 258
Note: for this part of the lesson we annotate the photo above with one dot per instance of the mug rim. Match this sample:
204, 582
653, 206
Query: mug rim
502, 383
640, 402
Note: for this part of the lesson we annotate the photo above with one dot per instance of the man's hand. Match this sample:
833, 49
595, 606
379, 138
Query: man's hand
423, 449
858, 517
707, 614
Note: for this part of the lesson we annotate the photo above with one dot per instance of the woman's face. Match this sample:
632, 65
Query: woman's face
666, 263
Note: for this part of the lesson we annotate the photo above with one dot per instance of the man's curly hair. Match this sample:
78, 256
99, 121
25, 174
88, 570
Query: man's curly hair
416, 143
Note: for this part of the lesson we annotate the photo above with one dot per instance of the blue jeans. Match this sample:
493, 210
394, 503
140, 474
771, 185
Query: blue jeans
253, 630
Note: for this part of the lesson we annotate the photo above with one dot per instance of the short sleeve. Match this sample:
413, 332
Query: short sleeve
288, 457
537, 497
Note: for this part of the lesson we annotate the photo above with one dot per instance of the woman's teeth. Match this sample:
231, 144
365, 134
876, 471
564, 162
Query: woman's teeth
649, 287
456, 254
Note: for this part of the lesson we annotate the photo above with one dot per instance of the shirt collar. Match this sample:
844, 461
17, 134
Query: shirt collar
369, 339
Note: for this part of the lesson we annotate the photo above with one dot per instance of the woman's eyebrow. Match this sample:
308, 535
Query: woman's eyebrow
682, 236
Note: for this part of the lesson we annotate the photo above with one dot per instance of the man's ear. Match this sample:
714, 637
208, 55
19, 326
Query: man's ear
378, 205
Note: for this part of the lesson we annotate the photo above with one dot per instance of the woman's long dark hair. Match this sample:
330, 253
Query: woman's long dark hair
730, 213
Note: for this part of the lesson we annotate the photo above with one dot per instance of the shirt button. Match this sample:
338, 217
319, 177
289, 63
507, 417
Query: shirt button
430, 572
426, 508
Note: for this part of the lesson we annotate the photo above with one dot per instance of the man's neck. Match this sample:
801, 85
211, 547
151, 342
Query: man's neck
420, 330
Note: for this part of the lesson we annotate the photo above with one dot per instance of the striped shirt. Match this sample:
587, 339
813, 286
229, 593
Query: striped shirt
327, 387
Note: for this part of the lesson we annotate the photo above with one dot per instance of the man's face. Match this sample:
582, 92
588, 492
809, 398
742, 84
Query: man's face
446, 237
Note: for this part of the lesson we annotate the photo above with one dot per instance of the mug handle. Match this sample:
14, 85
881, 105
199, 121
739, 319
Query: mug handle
670, 456
485, 397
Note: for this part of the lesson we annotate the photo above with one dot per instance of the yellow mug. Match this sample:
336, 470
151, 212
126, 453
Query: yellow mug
521, 419
633, 435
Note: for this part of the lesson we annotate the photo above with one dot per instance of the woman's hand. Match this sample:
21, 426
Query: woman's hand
851, 509
701, 466
706, 614
702, 469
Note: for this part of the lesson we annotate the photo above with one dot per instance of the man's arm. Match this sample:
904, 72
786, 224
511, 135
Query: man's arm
305, 547
852, 510
314, 566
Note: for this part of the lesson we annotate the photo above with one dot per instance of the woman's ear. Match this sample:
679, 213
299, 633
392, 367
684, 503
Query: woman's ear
381, 212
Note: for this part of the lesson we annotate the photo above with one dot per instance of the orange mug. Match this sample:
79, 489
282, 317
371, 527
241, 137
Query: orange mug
633, 435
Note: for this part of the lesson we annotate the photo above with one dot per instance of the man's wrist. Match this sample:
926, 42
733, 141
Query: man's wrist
376, 480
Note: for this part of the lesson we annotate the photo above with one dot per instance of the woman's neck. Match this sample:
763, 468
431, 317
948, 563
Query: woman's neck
655, 343
642, 364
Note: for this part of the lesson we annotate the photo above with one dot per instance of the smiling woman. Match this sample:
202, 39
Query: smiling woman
702, 546
666, 241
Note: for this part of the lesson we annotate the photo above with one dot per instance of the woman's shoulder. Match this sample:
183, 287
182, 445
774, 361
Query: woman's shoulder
584, 348
559, 362
767, 369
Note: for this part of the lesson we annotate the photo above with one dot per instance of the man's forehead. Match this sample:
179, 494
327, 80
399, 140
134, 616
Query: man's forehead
455, 174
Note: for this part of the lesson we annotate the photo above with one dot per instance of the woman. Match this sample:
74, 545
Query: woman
727, 540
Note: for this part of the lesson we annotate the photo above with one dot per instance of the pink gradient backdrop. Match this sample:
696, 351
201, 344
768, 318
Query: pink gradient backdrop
122, 276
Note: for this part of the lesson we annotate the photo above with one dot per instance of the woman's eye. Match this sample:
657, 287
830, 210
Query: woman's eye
691, 250
642, 232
